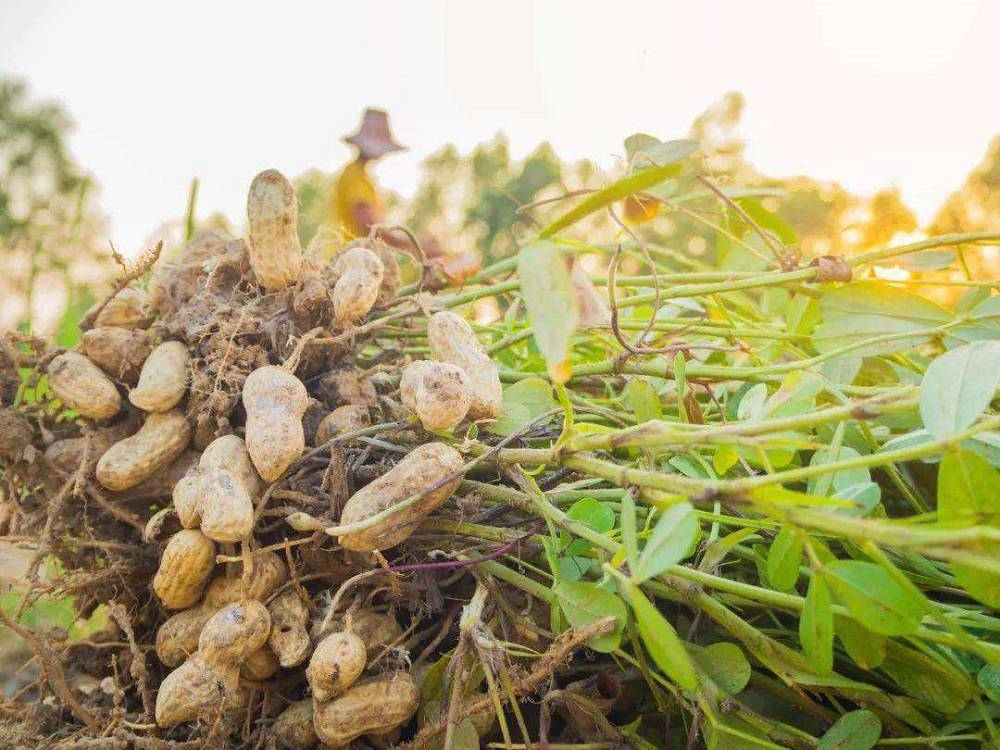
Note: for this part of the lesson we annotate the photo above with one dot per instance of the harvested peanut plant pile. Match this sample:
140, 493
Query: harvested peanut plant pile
755, 506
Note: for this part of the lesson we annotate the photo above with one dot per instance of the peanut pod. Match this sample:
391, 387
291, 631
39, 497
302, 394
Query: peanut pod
186, 564
275, 401
120, 352
421, 469
375, 706
452, 339
163, 379
81, 385
272, 216
439, 393
338, 660
161, 439
359, 274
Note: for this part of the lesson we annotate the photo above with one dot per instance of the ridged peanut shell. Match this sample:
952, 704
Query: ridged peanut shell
269, 572
177, 638
375, 706
83, 386
120, 352
377, 629
163, 379
343, 419
187, 498
162, 483
272, 216
452, 339
337, 661
260, 665
226, 509
130, 308
230, 452
439, 393
289, 638
359, 274
235, 632
66, 455
275, 401
185, 567
293, 729
161, 439
196, 687
421, 469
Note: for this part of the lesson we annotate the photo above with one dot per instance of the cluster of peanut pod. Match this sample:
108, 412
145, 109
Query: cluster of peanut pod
223, 629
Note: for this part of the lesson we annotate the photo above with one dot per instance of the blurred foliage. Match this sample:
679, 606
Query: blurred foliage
478, 199
51, 229
52, 233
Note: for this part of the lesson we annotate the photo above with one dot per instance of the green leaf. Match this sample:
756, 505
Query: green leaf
872, 308
612, 193
989, 680
982, 583
670, 542
968, 490
841, 370
872, 597
844, 477
551, 302
661, 641
864, 496
523, 401
725, 458
928, 260
629, 537
931, 680
857, 730
866, 648
642, 398
775, 493
656, 151
583, 602
784, 558
725, 664
597, 515
984, 326
816, 626
958, 386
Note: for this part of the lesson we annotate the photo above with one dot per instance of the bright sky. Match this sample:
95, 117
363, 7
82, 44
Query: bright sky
867, 92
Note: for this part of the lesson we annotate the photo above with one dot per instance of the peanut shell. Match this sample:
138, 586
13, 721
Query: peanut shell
293, 729
289, 638
338, 660
439, 393
272, 214
234, 632
452, 340
130, 308
346, 418
186, 564
161, 439
120, 352
163, 379
422, 468
275, 401
375, 706
81, 385
359, 274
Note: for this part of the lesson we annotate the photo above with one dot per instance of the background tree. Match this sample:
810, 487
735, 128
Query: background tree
51, 229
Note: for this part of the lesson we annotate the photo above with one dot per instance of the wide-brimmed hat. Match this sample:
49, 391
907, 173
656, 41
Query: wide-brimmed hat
374, 137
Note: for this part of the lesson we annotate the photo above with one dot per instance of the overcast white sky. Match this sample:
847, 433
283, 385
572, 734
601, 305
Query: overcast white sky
867, 92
